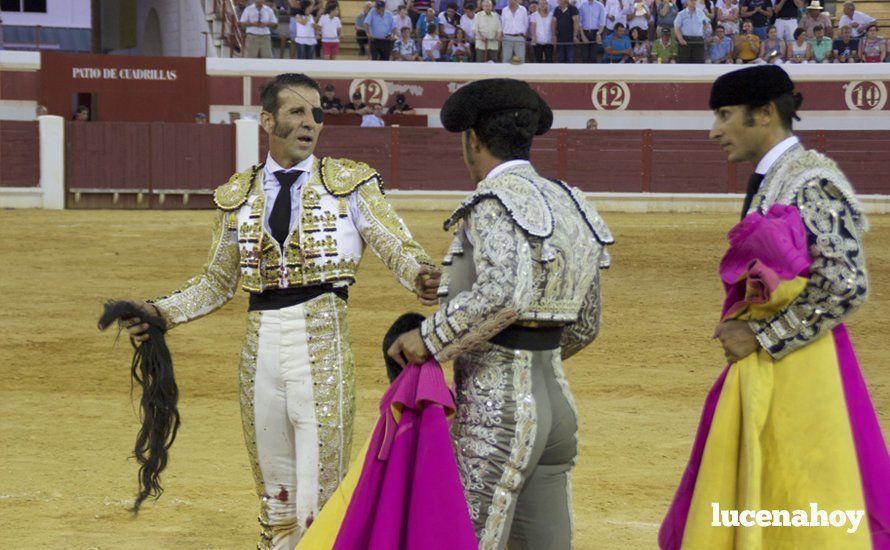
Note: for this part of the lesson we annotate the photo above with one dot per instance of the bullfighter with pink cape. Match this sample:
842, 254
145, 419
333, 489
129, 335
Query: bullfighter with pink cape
789, 425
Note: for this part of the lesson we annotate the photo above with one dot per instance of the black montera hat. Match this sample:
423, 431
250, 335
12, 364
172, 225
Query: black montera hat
754, 86
476, 100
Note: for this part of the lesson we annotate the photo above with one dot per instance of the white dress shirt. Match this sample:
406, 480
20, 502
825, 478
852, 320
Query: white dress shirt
253, 15
773, 155
514, 23
863, 19
271, 187
467, 25
618, 10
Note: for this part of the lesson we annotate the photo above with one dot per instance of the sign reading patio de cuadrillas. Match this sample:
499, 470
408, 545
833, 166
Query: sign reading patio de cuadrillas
112, 73
125, 88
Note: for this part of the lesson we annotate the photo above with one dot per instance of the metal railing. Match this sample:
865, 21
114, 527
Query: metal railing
231, 32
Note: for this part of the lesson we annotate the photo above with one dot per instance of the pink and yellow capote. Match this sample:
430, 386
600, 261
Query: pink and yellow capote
781, 434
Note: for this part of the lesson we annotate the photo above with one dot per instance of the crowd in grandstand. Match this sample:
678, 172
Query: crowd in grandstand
569, 31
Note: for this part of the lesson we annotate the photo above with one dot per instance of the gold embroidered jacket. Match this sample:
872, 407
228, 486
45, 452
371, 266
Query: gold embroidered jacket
537, 248
834, 222
342, 208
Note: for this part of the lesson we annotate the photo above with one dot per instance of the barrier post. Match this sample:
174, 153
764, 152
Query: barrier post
247, 144
51, 129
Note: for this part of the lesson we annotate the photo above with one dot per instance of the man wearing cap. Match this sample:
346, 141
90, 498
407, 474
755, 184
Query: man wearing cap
520, 294
293, 230
380, 26
815, 17
788, 424
856, 20
689, 28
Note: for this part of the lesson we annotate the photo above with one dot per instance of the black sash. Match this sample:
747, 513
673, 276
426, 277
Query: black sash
280, 298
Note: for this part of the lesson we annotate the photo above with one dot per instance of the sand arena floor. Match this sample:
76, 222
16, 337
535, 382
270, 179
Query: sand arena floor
68, 423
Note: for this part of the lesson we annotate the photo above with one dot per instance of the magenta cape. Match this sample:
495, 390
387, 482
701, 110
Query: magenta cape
765, 249
409, 494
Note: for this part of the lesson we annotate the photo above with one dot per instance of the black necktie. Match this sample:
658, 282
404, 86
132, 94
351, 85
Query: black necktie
753, 185
279, 219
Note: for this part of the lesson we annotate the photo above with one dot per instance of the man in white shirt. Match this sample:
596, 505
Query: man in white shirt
856, 20
372, 119
467, 21
514, 27
487, 28
617, 11
257, 19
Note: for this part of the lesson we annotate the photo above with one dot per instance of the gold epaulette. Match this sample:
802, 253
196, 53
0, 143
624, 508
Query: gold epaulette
233, 194
343, 176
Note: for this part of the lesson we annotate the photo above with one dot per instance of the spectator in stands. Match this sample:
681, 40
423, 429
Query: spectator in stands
728, 16
303, 33
799, 50
541, 22
618, 47
401, 106
759, 12
747, 44
639, 45
719, 47
872, 48
467, 22
82, 114
381, 27
640, 18
258, 19
514, 27
689, 28
814, 17
373, 118
41, 110
773, 49
234, 116
665, 49
330, 103
592, 124
487, 27
785, 13
617, 11
821, 46
402, 20
361, 37
432, 45
448, 21
592, 20
459, 47
846, 48
567, 24
405, 48
667, 14
428, 18
331, 29
357, 106
856, 20
200, 118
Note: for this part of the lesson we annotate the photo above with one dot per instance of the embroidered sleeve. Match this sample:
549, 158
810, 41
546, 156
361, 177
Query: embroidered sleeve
838, 281
387, 235
216, 283
581, 333
502, 290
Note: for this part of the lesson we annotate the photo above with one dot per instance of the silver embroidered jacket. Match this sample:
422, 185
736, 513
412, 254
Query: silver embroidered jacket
834, 222
342, 208
528, 250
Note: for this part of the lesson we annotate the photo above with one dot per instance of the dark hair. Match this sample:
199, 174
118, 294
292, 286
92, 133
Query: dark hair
618, 26
270, 91
451, 5
786, 107
719, 27
818, 28
508, 134
82, 109
405, 323
799, 31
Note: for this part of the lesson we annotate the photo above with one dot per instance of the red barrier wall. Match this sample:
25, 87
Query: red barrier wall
153, 158
19, 154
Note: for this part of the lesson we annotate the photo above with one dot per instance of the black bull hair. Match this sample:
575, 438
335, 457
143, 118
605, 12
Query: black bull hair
152, 369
